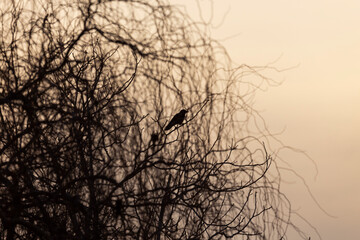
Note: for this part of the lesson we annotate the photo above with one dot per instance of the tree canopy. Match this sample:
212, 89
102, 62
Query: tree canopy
86, 90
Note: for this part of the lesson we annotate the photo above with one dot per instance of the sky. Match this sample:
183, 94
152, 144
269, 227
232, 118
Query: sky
317, 106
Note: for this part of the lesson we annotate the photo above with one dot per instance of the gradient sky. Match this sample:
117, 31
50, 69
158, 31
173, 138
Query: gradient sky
318, 103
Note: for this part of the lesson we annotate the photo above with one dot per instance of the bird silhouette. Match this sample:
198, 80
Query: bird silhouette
154, 137
177, 119
119, 208
153, 140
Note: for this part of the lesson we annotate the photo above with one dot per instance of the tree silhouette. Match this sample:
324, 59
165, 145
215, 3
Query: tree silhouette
86, 88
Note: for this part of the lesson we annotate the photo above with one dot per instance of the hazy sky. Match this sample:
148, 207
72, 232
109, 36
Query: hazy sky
318, 104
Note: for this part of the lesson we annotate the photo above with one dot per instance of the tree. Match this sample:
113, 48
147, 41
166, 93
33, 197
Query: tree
86, 89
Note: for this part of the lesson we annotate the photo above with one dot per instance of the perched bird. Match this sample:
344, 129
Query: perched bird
177, 119
153, 140
154, 137
119, 207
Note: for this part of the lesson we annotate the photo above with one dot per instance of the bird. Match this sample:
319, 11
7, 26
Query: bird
177, 119
154, 137
153, 140
119, 208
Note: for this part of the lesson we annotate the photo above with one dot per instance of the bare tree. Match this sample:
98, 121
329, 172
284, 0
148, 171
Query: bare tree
86, 90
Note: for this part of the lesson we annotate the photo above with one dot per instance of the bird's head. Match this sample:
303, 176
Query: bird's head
183, 111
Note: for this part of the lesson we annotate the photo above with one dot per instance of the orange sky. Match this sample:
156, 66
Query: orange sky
319, 101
